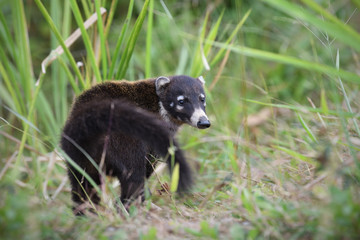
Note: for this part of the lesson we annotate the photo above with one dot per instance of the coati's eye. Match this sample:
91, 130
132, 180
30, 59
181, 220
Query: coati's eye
202, 98
181, 100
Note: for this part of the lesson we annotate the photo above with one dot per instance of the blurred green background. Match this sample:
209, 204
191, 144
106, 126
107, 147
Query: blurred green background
281, 159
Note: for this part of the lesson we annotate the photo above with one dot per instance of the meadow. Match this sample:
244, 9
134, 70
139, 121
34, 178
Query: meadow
280, 161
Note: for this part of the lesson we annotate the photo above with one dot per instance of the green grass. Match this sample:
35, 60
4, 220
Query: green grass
280, 161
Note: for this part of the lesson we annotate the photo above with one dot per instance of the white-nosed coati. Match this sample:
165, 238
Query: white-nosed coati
126, 123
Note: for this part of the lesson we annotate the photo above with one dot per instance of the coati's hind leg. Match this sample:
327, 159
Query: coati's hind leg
132, 178
82, 191
126, 159
151, 162
132, 185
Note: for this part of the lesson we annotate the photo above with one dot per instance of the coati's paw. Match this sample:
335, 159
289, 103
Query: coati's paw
84, 209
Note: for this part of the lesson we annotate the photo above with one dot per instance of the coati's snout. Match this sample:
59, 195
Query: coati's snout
199, 119
182, 99
203, 123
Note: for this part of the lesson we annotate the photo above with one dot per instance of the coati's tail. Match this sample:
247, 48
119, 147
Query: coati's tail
99, 117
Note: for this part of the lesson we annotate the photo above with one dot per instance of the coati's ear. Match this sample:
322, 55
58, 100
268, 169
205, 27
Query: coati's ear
160, 83
202, 80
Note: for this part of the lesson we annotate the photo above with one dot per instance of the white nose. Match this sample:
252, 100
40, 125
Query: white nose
199, 119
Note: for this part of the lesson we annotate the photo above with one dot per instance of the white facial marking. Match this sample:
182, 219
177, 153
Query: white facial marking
178, 107
198, 113
181, 97
203, 97
172, 104
163, 112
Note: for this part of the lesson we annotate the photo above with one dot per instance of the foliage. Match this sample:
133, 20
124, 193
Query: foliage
281, 159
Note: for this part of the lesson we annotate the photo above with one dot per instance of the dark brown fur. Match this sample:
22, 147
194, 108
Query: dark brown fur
121, 121
142, 93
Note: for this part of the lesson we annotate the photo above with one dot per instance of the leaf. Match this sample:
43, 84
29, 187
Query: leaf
175, 178
297, 155
151, 234
247, 201
307, 129
206, 230
324, 105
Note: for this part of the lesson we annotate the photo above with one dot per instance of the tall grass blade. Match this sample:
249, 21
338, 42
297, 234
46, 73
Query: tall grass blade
64, 78
15, 172
56, 73
86, 39
334, 28
280, 58
66, 24
70, 76
110, 17
125, 58
85, 6
166, 9
328, 16
7, 40
149, 40
22, 118
6, 97
14, 99
221, 52
184, 55
346, 98
305, 109
212, 35
101, 32
357, 3
23, 63
81, 171
197, 62
119, 43
204, 48
61, 41
11, 77
46, 114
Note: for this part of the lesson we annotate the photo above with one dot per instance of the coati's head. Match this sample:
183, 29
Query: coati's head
182, 100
